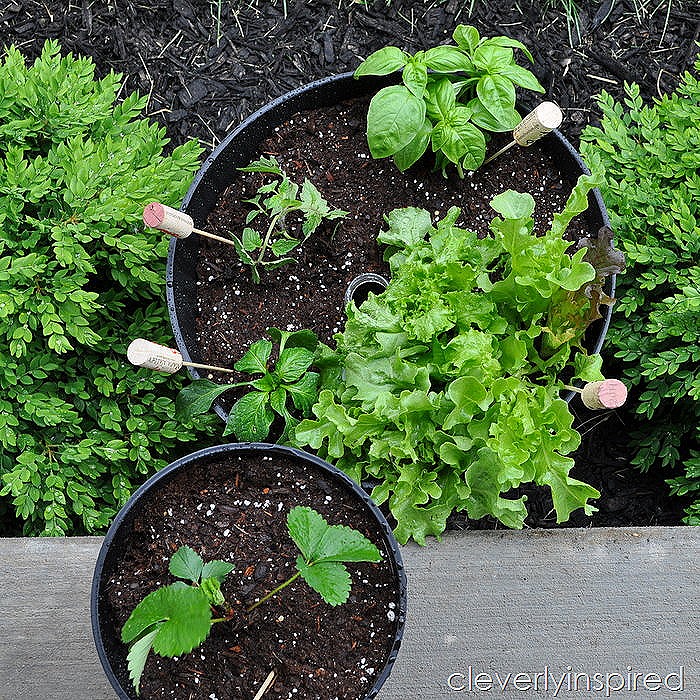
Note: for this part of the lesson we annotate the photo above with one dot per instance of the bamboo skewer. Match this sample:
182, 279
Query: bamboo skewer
266, 685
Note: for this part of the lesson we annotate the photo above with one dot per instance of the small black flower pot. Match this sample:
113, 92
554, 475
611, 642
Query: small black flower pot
243, 145
230, 502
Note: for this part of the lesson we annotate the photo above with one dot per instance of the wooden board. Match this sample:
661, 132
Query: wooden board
597, 601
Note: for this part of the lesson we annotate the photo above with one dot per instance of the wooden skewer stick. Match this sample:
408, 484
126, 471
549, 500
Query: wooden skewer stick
144, 353
609, 393
267, 684
545, 117
498, 153
176, 223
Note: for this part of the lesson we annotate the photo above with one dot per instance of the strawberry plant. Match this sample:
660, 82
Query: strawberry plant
78, 275
449, 395
650, 156
176, 618
449, 97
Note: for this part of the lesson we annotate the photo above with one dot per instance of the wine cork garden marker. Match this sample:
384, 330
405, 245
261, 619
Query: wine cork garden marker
144, 353
543, 119
609, 393
175, 222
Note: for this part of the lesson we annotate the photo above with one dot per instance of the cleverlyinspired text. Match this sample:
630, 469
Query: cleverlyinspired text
553, 682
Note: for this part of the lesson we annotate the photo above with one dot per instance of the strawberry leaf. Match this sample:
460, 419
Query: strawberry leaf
136, 658
320, 542
187, 564
182, 614
330, 580
217, 569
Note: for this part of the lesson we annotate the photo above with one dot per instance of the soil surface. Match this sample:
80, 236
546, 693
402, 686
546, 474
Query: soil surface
235, 508
204, 72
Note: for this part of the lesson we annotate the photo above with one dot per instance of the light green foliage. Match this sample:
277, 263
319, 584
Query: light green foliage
651, 159
288, 387
324, 548
450, 396
78, 278
175, 619
275, 202
449, 96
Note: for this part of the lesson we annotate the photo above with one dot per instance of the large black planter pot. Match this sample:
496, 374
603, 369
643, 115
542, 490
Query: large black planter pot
242, 145
350, 498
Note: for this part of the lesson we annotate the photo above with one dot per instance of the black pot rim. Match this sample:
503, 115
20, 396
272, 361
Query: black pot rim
275, 104
266, 448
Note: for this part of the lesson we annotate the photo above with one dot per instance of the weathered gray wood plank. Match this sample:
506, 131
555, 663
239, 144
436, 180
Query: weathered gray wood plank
593, 601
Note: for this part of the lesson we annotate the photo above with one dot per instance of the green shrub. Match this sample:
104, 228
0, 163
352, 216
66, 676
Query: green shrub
79, 278
651, 157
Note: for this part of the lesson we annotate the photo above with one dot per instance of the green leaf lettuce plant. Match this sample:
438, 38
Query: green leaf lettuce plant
650, 157
78, 275
449, 97
176, 618
451, 377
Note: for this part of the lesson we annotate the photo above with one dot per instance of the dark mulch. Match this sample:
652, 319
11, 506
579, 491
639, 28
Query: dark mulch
235, 509
204, 77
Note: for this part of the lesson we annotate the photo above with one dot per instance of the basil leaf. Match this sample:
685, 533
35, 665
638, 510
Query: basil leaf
522, 77
448, 59
382, 62
485, 120
466, 36
506, 41
459, 139
394, 118
497, 94
410, 153
492, 58
444, 97
415, 76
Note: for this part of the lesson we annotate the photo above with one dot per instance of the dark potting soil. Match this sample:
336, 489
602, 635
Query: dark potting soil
329, 147
235, 509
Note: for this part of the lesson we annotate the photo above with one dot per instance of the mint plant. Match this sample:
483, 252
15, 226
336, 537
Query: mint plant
288, 386
449, 395
175, 619
275, 202
651, 159
449, 96
78, 275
